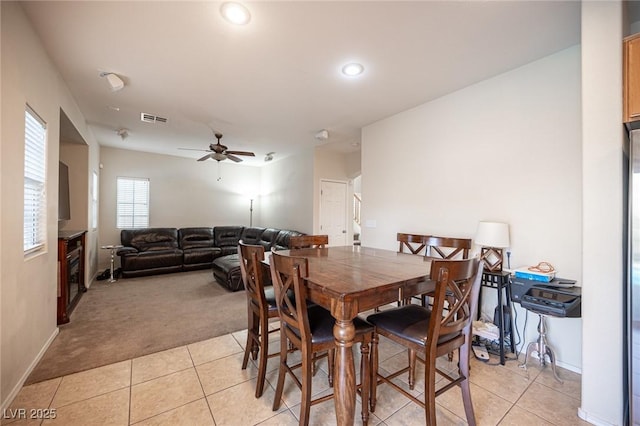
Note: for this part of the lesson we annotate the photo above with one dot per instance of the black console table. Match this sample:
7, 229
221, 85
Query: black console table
500, 281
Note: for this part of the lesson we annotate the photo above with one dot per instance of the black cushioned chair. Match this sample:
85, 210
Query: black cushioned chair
434, 332
310, 330
261, 307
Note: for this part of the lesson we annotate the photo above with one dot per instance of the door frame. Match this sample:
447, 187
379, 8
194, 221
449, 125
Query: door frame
347, 206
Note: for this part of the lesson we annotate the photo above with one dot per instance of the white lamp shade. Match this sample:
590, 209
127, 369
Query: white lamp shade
492, 234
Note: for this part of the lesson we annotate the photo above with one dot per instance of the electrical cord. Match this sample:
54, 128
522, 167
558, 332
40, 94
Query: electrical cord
544, 267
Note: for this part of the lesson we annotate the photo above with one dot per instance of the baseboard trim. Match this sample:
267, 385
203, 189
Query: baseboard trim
594, 420
14, 392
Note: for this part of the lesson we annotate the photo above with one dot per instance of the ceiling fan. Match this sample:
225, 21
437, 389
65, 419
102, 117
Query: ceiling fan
219, 152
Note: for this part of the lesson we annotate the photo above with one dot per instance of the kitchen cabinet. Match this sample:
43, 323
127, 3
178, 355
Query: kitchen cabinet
631, 78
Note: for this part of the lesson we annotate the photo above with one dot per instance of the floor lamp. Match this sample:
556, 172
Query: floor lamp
251, 213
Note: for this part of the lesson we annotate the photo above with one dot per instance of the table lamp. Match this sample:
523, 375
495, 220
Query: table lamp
492, 237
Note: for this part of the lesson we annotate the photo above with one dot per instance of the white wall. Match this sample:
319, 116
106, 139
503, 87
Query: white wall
505, 149
183, 192
28, 286
603, 275
286, 194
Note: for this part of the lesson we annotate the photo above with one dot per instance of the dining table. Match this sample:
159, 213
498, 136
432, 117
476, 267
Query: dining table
349, 280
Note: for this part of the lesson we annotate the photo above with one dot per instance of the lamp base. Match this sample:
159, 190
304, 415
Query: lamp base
492, 258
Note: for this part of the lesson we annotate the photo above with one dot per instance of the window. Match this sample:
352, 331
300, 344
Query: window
133, 202
94, 200
35, 172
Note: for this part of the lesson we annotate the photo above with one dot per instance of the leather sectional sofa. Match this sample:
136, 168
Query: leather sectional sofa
150, 251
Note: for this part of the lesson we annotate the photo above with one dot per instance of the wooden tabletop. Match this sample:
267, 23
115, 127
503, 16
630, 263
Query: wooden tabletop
369, 276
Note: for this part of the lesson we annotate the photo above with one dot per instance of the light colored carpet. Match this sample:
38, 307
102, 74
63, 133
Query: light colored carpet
138, 316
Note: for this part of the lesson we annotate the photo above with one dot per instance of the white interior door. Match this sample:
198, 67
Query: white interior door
333, 211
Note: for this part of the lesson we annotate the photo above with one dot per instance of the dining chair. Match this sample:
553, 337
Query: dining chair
308, 241
444, 248
310, 329
414, 243
447, 247
261, 307
433, 332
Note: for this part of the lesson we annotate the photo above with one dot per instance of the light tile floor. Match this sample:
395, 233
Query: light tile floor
203, 384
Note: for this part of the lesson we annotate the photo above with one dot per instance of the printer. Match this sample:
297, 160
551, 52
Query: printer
559, 297
554, 301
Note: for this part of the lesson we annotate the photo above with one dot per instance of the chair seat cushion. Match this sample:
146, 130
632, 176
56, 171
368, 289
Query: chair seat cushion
270, 296
321, 324
410, 322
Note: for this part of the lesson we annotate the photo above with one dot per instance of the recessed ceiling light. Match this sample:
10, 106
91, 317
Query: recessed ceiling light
235, 13
353, 69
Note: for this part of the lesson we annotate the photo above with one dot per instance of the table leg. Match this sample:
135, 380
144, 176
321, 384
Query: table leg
344, 376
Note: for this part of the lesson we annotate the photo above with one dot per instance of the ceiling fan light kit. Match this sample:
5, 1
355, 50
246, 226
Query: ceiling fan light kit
220, 152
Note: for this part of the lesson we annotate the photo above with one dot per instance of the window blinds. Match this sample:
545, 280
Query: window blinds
132, 203
34, 182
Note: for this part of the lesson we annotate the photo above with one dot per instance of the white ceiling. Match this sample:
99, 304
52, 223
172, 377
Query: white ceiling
273, 84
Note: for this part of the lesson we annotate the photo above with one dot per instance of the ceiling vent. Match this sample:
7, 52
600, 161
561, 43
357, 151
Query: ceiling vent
150, 118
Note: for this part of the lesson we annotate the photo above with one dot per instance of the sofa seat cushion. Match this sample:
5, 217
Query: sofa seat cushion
200, 256
151, 262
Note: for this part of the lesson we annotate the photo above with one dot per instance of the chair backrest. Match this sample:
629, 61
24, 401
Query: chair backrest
447, 247
308, 241
458, 283
288, 275
415, 243
251, 257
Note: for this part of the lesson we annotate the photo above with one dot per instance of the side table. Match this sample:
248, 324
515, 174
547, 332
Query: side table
500, 281
113, 249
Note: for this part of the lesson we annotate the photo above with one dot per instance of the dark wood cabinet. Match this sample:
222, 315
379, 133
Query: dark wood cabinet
631, 78
71, 256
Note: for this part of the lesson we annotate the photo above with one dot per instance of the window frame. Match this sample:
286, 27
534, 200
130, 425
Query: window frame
35, 183
134, 215
94, 200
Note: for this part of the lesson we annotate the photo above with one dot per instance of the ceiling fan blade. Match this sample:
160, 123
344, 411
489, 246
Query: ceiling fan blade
250, 154
193, 149
206, 157
234, 158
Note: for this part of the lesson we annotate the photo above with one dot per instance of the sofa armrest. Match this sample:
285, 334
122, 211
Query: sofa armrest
126, 250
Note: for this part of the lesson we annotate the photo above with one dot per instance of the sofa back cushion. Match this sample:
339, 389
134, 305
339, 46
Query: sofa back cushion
190, 238
252, 235
227, 236
282, 240
268, 237
148, 239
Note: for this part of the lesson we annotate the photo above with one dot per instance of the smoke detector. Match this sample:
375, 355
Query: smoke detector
268, 156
